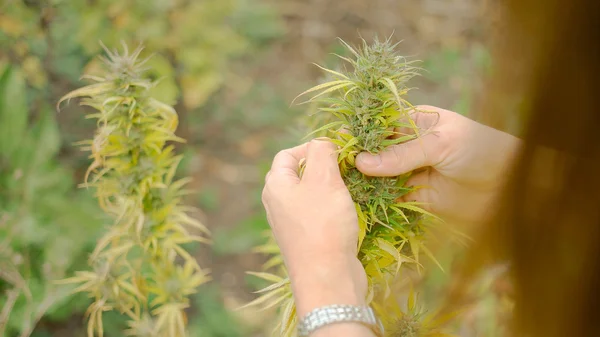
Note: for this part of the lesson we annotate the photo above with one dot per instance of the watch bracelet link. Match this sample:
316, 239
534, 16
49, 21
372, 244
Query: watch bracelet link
332, 314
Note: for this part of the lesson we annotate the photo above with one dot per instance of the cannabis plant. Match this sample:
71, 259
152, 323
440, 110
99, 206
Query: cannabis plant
139, 267
367, 112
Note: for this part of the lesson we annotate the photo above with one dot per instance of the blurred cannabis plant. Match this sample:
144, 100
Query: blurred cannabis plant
139, 267
197, 41
366, 111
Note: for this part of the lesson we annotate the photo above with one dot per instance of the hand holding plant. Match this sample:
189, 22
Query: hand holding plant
366, 112
461, 163
315, 224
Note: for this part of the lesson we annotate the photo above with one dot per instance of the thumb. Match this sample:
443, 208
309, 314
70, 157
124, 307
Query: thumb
321, 161
398, 159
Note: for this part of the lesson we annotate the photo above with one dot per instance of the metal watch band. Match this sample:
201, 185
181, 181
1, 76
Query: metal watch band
323, 316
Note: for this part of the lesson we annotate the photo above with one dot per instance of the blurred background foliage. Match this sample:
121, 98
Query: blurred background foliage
46, 225
231, 69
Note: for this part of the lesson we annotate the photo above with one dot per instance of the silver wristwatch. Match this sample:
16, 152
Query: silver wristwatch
323, 316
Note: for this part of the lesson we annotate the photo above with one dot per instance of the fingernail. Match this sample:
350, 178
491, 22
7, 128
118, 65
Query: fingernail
369, 159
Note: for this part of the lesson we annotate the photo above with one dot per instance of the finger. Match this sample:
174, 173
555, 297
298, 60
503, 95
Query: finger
427, 116
422, 117
321, 161
401, 158
286, 163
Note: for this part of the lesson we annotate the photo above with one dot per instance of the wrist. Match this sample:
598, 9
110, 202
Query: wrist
347, 329
326, 281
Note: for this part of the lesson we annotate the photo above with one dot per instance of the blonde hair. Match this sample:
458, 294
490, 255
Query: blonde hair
548, 221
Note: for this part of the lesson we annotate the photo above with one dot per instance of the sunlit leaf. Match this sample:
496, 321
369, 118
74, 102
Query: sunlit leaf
326, 88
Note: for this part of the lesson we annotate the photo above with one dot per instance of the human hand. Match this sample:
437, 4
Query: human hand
314, 222
464, 164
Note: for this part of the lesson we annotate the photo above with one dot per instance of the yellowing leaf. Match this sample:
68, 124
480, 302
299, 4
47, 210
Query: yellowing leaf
362, 225
390, 249
414, 206
431, 256
281, 292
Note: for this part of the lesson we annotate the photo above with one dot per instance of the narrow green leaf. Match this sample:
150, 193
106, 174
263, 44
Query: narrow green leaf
325, 127
394, 141
332, 71
322, 87
392, 87
267, 276
349, 144
274, 286
414, 206
349, 47
352, 62
90, 90
265, 298
399, 211
326, 91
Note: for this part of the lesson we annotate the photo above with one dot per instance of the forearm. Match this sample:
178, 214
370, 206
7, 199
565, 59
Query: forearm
329, 281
